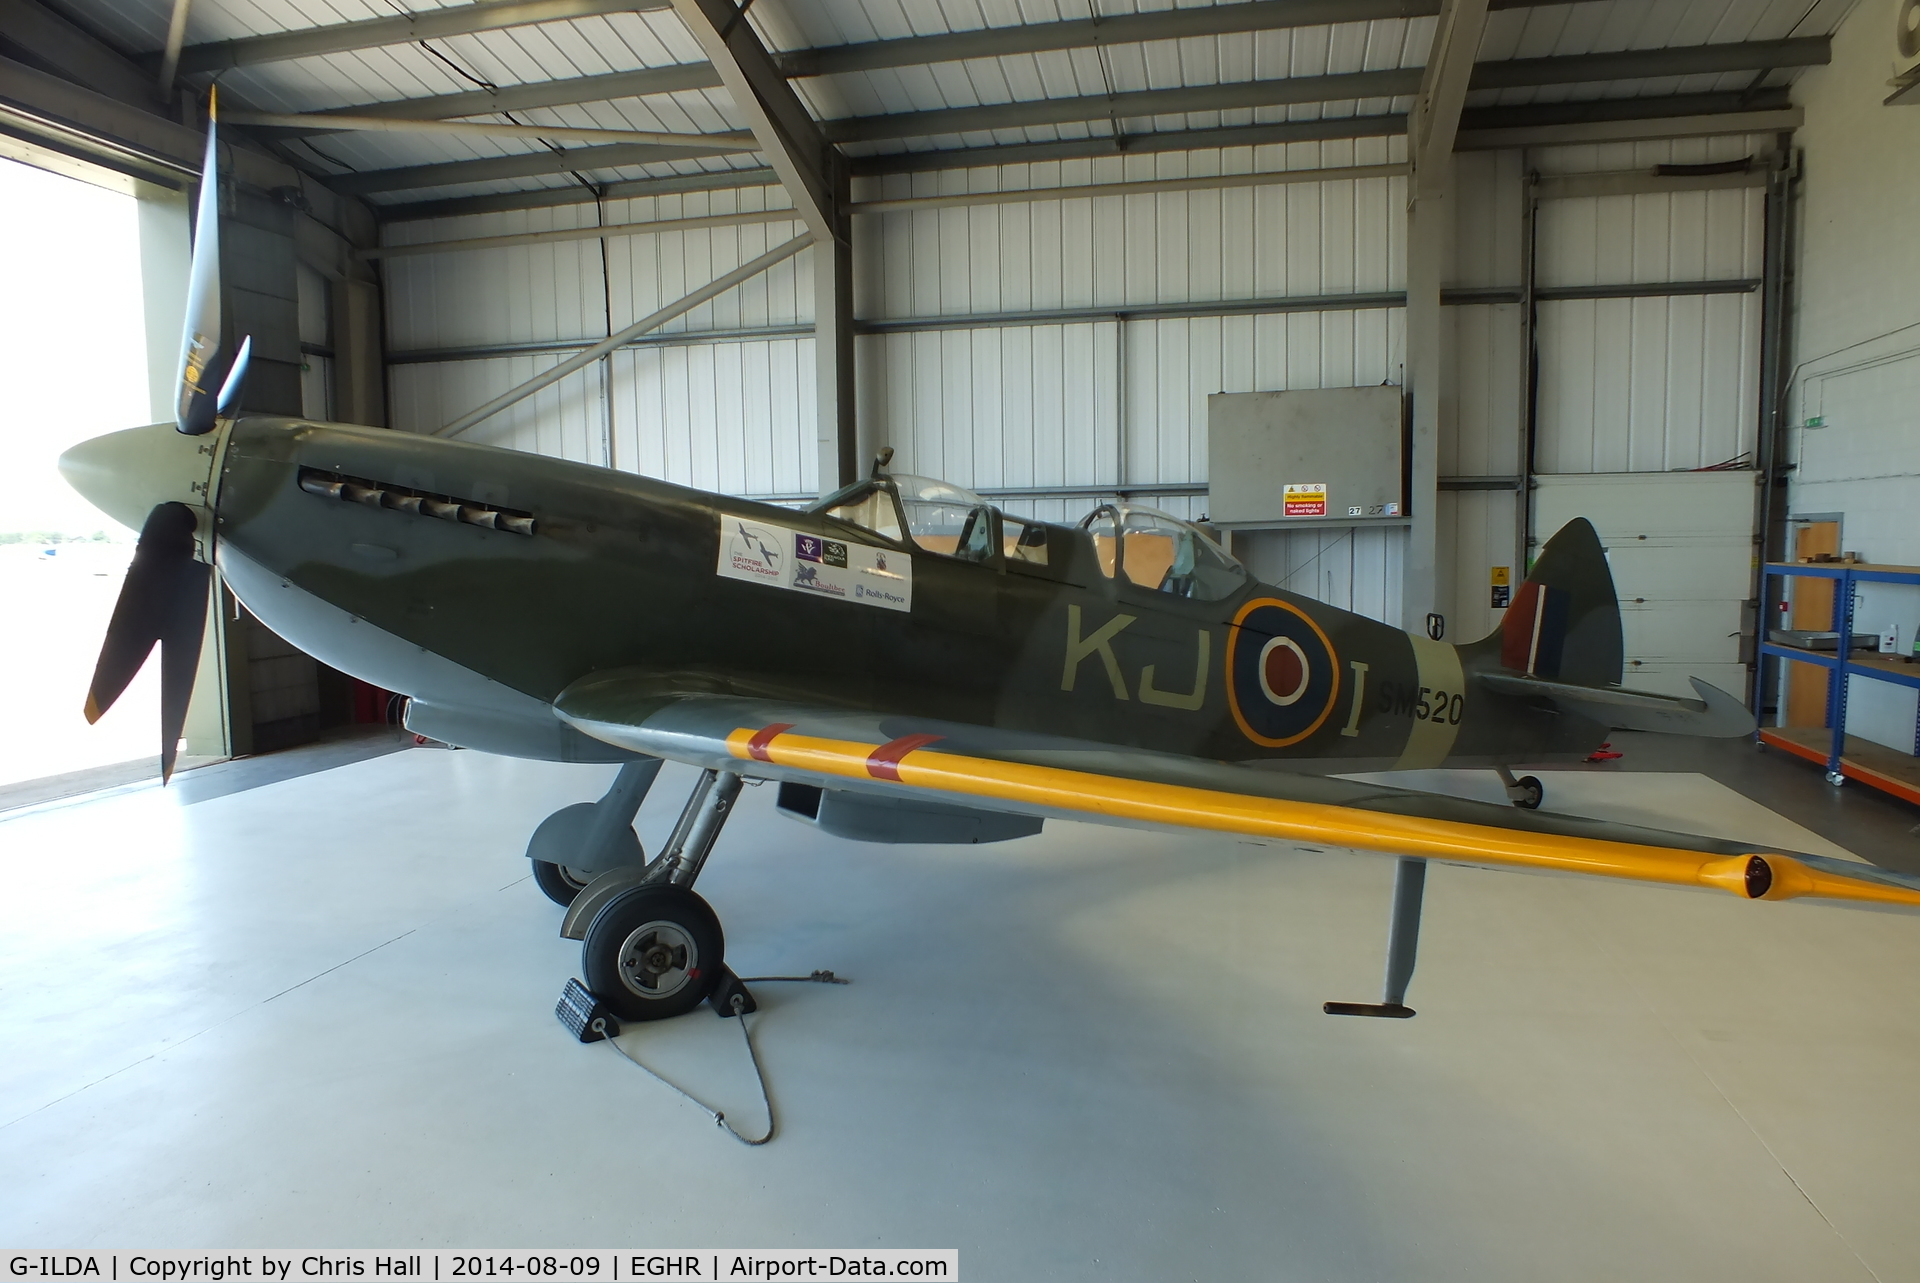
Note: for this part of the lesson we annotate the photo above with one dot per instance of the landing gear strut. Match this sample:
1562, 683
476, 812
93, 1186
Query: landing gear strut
1527, 792
650, 947
578, 841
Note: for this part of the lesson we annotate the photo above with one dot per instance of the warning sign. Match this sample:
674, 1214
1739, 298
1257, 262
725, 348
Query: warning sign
1502, 587
1305, 499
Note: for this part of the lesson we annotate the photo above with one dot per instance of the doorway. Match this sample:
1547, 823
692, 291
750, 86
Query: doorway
1811, 610
73, 358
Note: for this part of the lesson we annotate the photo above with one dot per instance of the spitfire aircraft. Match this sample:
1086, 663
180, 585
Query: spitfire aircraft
906, 661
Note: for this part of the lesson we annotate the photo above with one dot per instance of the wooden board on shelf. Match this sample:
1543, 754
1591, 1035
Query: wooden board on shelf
1875, 765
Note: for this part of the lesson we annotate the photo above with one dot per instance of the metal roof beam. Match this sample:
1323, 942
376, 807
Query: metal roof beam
544, 93
815, 175
788, 134
1346, 87
1674, 115
1257, 15
1479, 128
700, 143
54, 44
574, 194
1171, 24
371, 33
569, 160
1292, 131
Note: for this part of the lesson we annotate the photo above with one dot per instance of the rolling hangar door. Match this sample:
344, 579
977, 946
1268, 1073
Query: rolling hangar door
1647, 409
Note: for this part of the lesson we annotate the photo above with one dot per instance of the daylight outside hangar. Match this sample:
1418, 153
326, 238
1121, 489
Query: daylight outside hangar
1096, 524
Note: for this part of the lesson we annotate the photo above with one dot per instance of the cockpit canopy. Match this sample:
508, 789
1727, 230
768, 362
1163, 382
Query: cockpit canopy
1143, 546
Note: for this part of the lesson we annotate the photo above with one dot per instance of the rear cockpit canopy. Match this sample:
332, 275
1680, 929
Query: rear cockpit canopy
1144, 546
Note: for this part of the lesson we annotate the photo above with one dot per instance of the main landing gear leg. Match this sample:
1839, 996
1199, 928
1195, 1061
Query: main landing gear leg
1527, 792
650, 947
578, 841
1403, 947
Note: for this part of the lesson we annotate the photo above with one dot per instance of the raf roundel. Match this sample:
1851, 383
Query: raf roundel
1282, 674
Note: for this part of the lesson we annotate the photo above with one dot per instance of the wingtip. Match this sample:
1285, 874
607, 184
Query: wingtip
93, 710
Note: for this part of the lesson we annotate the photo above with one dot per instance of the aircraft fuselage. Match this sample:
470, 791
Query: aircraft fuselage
622, 571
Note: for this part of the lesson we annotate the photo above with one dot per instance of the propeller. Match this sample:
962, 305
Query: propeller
163, 600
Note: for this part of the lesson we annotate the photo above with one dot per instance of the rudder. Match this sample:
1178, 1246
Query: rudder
1564, 623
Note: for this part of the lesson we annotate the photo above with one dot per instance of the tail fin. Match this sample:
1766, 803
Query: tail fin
1564, 623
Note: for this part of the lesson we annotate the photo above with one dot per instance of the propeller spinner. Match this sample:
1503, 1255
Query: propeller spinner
160, 479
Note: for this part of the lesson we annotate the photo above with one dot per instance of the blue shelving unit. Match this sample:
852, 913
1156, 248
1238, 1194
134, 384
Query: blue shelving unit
1871, 764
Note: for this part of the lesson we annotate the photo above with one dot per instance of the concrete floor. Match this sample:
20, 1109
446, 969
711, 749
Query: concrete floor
317, 1012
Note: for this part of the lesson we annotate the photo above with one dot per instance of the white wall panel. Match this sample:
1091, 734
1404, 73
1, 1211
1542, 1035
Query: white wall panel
1483, 424
1343, 236
731, 417
1357, 570
1488, 227
1478, 530
649, 272
1647, 384
513, 294
565, 420
1662, 236
1043, 405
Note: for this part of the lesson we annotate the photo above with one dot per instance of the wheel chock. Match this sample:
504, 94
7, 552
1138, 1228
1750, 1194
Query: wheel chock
730, 997
584, 1015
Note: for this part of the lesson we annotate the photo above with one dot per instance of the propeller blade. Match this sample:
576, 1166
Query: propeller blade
236, 377
200, 339
180, 658
163, 599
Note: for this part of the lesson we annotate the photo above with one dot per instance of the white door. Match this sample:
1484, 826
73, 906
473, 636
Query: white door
1681, 548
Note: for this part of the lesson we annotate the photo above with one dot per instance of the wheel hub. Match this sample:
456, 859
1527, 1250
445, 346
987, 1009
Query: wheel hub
658, 960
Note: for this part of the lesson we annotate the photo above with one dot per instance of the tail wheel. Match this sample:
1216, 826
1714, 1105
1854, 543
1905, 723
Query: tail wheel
654, 952
1535, 793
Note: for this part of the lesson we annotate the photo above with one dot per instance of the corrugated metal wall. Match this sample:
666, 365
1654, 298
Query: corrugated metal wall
1649, 384
734, 417
1098, 399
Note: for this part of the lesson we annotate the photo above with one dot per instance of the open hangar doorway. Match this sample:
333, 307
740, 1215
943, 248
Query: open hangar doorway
98, 352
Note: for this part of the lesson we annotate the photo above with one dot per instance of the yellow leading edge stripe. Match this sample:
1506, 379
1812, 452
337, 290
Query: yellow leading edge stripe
1183, 807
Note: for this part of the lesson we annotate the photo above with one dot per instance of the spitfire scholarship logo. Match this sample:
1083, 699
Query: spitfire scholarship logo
1282, 675
753, 552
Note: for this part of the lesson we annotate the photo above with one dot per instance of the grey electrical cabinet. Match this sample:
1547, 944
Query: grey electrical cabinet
1324, 456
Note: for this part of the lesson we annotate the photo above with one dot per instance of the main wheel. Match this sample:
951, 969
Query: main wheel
1536, 793
560, 883
653, 952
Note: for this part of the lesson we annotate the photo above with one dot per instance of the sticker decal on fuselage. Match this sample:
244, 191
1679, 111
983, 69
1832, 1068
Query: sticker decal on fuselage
758, 552
1282, 674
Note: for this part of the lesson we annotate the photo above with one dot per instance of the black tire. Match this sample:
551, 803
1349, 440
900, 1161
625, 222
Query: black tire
559, 882
653, 952
1536, 793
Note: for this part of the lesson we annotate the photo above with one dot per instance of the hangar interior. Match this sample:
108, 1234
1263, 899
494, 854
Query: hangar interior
1645, 262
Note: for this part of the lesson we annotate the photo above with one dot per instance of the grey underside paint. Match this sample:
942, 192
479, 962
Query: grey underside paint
451, 703
867, 817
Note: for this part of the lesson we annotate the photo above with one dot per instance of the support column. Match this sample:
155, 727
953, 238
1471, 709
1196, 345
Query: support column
1430, 133
843, 456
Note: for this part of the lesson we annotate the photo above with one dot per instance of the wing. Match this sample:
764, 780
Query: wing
1023, 773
